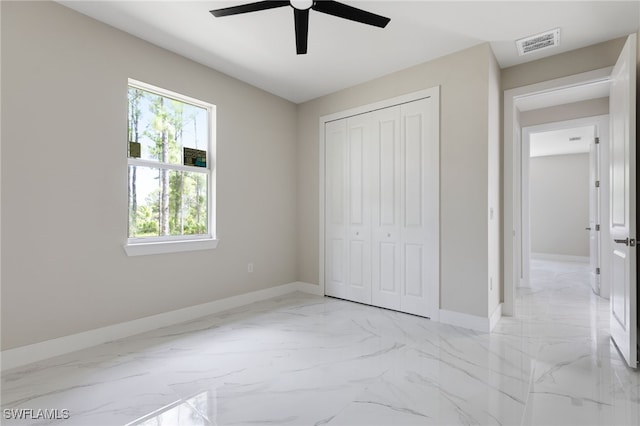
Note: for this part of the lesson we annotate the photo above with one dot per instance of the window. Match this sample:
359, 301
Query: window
170, 172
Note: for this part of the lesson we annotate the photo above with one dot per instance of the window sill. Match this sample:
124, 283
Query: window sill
162, 247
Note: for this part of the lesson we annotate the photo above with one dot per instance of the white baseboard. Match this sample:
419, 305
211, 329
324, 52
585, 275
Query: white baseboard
28, 354
459, 319
560, 257
308, 288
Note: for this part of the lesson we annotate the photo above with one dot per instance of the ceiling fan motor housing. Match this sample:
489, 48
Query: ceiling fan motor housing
302, 4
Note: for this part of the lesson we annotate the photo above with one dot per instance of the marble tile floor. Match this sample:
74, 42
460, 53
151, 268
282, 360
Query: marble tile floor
309, 360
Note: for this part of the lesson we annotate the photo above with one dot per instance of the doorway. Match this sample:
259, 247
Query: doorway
621, 79
540, 95
564, 180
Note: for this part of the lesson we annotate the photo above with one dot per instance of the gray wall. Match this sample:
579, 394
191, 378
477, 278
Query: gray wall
589, 58
64, 180
464, 78
559, 204
64, 88
570, 111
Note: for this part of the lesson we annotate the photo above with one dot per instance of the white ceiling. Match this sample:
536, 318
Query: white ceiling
557, 142
259, 47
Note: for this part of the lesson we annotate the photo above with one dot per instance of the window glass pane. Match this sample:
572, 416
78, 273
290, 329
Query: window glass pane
163, 126
166, 202
195, 131
144, 202
187, 203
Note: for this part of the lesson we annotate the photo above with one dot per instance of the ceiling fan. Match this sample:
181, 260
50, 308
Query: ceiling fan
301, 15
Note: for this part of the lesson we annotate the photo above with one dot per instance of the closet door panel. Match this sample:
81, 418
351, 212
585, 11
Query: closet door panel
356, 178
388, 284
387, 186
413, 270
336, 262
336, 255
420, 161
387, 145
359, 209
356, 268
413, 170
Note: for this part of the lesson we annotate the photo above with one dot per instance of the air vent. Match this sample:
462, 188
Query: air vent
538, 42
575, 138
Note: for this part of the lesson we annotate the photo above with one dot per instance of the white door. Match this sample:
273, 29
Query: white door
594, 214
335, 209
622, 201
381, 200
387, 188
419, 208
405, 208
358, 273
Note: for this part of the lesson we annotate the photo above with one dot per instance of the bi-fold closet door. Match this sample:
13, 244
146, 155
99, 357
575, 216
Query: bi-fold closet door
381, 208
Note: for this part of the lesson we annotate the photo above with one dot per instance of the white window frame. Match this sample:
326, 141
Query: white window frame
179, 243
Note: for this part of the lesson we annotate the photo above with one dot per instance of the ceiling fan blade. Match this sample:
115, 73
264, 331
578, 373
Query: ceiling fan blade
249, 7
342, 10
302, 30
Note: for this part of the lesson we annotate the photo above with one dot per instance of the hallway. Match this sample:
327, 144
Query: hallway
578, 377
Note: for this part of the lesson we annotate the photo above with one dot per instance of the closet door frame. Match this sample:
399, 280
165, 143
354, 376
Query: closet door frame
434, 94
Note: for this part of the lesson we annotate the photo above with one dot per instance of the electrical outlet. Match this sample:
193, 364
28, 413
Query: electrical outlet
250, 267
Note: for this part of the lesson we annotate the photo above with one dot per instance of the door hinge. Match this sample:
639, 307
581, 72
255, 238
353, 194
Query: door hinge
597, 227
597, 184
597, 140
597, 271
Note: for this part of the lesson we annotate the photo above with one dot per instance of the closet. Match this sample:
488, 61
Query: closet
381, 206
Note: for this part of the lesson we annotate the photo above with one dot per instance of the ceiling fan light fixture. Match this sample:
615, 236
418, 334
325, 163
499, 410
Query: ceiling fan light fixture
302, 4
301, 9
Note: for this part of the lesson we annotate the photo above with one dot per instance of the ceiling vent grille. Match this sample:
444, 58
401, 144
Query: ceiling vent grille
538, 42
